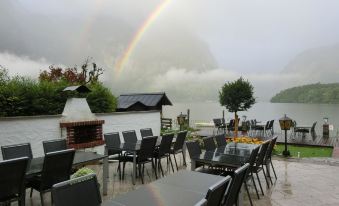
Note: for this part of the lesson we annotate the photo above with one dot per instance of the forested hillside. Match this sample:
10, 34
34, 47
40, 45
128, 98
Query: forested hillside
312, 93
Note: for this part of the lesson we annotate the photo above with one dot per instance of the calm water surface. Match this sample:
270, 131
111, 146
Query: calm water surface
304, 114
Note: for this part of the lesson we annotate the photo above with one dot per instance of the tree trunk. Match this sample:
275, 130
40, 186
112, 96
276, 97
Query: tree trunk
235, 125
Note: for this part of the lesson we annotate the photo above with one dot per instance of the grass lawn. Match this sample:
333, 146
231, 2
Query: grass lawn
304, 151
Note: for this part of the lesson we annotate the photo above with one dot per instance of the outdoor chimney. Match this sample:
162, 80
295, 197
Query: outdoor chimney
83, 129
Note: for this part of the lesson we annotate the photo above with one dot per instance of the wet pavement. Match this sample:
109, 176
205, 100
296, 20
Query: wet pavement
306, 181
302, 183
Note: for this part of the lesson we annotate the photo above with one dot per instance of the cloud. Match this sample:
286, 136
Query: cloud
23, 66
183, 84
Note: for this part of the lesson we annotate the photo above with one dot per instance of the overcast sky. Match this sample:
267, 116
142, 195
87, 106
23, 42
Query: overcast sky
199, 42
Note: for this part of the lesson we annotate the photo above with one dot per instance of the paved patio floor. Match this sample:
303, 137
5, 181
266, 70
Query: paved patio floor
299, 183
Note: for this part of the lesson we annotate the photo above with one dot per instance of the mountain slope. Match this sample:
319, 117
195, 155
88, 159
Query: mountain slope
312, 93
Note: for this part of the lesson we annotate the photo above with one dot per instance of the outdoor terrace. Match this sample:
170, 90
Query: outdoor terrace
300, 182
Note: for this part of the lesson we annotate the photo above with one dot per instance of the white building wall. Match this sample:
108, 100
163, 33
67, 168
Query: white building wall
15, 130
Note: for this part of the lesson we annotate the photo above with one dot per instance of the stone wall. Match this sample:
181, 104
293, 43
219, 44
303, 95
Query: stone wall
15, 130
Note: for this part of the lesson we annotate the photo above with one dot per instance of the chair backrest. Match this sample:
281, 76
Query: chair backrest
56, 168
12, 177
77, 192
220, 139
270, 149
253, 123
165, 145
193, 148
209, 143
16, 151
54, 145
313, 127
130, 136
217, 122
262, 153
267, 125
112, 139
232, 123
179, 143
202, 202
271, 124
253, 156
147, 147
147, 132
237, 180
216, 192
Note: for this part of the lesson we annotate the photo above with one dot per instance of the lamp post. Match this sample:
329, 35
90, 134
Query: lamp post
285, 124
181, 120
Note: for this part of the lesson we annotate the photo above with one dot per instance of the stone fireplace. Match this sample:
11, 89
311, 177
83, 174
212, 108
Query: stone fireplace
79, 125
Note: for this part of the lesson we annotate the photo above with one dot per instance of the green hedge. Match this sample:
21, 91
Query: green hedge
21, 96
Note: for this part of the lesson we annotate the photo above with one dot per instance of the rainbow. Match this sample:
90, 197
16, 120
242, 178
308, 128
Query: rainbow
120, 63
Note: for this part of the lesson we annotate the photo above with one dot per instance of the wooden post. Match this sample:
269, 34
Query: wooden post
188, 118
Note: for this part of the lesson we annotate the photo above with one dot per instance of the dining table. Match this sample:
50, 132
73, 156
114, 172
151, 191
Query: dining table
80, 158
181, 188
232, 155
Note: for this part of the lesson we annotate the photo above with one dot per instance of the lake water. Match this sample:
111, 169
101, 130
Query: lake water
304, 114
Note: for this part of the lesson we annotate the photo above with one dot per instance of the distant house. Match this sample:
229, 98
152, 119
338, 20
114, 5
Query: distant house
142, 102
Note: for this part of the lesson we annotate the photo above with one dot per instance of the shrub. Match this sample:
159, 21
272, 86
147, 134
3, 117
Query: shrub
21, 96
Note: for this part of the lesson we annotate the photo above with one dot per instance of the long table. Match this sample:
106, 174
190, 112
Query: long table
80, 158
182, 188
232, 155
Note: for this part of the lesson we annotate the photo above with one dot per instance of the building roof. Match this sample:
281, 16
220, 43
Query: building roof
148, 99
78, 88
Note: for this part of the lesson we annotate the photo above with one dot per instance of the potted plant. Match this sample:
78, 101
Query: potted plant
82, 172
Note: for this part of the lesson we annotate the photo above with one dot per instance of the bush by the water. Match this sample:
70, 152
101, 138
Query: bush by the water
22, 96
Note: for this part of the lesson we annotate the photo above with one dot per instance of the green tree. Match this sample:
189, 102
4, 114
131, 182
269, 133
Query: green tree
236, 96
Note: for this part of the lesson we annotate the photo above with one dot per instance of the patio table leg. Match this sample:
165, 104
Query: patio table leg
134, 167
105, 175
193, 165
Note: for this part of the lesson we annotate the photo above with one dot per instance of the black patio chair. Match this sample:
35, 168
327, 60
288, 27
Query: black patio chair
130, 136
251, 162
147, 132
56, 168
238, 178
194, 149
259, 164
230, 126
221, 140
261, 129
113, 139
271, 127
164, 152
16, 151
217, 191
144, 155
12, 180
54, 145
268, 157
209, 143
202, 202
219, 123
178, 147
77, 192
304, 131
